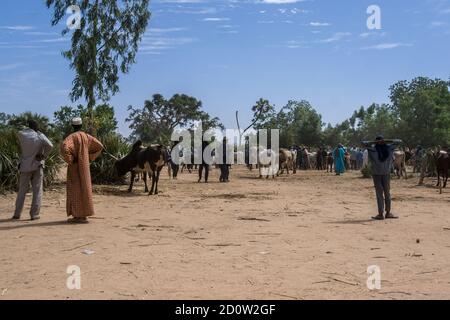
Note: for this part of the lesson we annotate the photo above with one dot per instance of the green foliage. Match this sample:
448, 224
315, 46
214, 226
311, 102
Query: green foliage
104, 121
20, 121
3, 120
422, 107
106, 43
366, 172
419, 113
298, 122
301, 124
10, 151
157, 120
102, 169
9, 160
264, 115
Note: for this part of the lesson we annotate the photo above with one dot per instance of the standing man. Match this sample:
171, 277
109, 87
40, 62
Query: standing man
78, 150
319, 159
359, 159
204, 165
176, 156
35, 147
381, 159
224, 166
339, 159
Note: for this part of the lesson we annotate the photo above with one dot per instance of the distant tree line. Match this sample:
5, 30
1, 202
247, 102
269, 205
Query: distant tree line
419, 114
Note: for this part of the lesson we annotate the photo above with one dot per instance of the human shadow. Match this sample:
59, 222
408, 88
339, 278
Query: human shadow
20, 224
352, 221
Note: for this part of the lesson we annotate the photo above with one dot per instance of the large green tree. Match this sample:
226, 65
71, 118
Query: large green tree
158, 118
422, 107
300, 124
106, 43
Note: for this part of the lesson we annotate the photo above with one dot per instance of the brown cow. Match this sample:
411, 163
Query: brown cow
400, 164
442, 166
330, 162
286, 161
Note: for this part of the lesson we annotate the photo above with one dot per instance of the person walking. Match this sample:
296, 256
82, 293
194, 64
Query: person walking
381, 159
78, 150
35, 147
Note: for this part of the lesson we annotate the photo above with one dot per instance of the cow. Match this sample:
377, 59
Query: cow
347, 161
267, 163
400, 164
313, 160
286, 161
149, 160
442, 166
330, 162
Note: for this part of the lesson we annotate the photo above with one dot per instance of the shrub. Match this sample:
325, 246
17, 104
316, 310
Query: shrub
103, 169
366, 172
10, 157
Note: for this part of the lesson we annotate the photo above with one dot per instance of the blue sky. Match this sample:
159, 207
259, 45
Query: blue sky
229, 53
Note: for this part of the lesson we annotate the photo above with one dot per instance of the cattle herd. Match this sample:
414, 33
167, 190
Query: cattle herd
149, 161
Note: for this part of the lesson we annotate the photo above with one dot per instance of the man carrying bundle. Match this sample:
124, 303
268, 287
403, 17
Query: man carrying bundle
381, 158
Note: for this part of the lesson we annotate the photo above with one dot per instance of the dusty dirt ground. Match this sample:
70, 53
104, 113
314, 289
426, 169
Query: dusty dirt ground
307, 236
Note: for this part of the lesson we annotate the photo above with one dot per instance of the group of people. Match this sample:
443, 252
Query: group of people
80, 148
77, 150
178, 150
380, 155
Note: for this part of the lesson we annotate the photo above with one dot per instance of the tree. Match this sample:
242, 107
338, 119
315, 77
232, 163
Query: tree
262, 111
422, 107
3, 120
264, 115
300, 123
106, 42
104, 120
21, 120
156, 121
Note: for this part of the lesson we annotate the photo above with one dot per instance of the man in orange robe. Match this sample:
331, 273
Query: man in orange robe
78, 150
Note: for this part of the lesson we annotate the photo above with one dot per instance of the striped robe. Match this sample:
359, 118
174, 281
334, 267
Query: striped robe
78, 150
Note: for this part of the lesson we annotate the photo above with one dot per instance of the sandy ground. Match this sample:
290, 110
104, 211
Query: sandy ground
306, 236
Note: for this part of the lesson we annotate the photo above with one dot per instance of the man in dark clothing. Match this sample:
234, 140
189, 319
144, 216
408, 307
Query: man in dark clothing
174, 164
319, 159
381, 159
204, 164
224, 167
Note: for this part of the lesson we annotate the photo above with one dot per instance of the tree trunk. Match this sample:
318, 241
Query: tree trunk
93, 79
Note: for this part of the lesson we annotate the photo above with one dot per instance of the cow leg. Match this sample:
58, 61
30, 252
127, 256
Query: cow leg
439, 179
153, 183
157, 180
133, 176
145, 182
